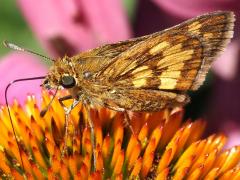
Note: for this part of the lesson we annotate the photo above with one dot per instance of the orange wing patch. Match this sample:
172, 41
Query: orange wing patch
167, 65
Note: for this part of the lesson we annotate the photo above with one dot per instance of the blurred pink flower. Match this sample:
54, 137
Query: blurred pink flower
68, 27
234, 137
227, 64
185, 8
20, 65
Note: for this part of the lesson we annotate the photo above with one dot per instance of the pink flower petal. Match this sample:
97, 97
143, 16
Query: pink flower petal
231, 128
20, 65
226, 65
74, 25
233, 138
107, 19
185, 8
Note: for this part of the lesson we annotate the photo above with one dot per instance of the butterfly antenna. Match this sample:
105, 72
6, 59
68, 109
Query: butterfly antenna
8, 109
44, 111
18, 48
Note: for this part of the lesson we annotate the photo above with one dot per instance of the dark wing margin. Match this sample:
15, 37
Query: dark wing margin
177, 58
215, 33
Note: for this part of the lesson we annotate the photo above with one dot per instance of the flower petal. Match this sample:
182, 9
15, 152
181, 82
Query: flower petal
67, 27
19, 65
185, 9
226, 65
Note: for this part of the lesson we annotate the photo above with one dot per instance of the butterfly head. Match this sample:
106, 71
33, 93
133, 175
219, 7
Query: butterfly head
61, 74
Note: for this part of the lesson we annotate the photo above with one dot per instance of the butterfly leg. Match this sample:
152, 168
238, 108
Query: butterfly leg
64, 99
127, 121
91, 125
67, 112
67, 122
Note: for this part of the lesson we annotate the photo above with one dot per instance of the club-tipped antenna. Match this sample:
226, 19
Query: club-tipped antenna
18, 48
44, 111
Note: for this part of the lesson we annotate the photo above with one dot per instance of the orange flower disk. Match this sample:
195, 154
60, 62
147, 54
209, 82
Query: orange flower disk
162, 147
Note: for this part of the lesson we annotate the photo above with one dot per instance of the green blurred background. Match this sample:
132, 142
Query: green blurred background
14, 28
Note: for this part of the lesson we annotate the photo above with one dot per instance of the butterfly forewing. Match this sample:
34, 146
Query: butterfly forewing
174, 59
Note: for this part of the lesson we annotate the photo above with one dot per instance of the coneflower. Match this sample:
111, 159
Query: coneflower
162, 147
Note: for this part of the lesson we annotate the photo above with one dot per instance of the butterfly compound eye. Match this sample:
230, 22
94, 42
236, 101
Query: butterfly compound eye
68, 81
